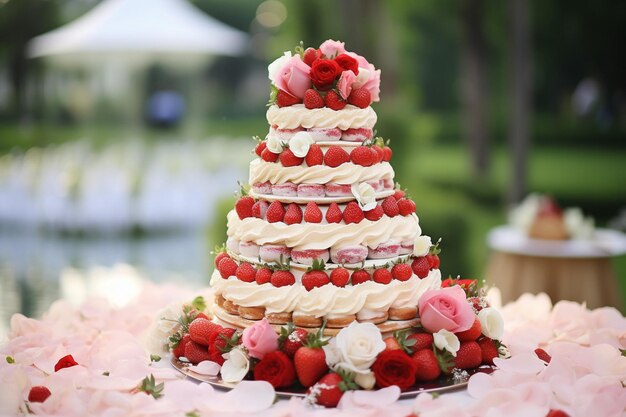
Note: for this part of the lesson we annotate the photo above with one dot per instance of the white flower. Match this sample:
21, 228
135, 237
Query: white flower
300, 144
355, 348
578, 226
422, 245
274, 67
274, 144
236, 365
362, 77
446, 340
366, 380
365, 195
156, 338
522, 216
491, 323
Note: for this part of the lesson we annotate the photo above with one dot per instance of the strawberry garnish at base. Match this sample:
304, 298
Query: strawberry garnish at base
220, 255
353, 213
179, 349
339, 277
357, 135
328, 391
391, 343
335, 156
315, 276
360, 97
288, 159
292, 339
310, 359
245, 272
427, 365
312, 99
221, 342
360, 276
315, 156
468, 356
38, 394
379, 153
382, 276
200, 330
422, 341
263, 275
334, 101
196, 353
362, 155
390, 206
334, 214
284, 99
275, 212
227, 267
293, 215
401, 271
420, 266
398, 194
489, 350
338, 190
312, 213
375, 214
472, 333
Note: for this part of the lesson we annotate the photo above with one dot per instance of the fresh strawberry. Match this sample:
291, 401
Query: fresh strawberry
292, 340
284, 99
362, 155
543, 355
327, 392
288, 159
378, 151
311, 55
360, 97
398, 194
360, 276
259, 209
263, 275
243, 207
468, 356
196, 353
406, 206
179, 350
200, 330
312, 213
38, 394
218, 341
293, 215
269, 156
245, 272
420, 266
260, 147
557, 413
391, 343
335, 156
472, 333
275, 212
334, 101
333, 214
375, 214
387, 153
339, 277
390, 206
310, 359
401, 271
219, 257
422, 341
282, 278
433, 261
312, 99
489, 350
353, 213
227, 267
427, 365
315, 276
315, 156
382, 276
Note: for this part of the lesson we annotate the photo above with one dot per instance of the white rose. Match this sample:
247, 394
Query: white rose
365, 381
236, 365
365, 195
300, 144
274, 144
422, 245
491, 323
355, 347
446, 340
274, 67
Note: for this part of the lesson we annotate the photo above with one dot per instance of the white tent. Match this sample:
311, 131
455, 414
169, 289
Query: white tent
140, 31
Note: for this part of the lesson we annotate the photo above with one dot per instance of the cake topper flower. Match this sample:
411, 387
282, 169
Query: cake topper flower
446, 340
422, 245
365, 195
300, 144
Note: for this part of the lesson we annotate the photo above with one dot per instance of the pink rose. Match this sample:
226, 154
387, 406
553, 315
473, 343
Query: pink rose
368, 77
363, 63
373, 84
446, 308
260, 339
293, 77
344, 85
331, 48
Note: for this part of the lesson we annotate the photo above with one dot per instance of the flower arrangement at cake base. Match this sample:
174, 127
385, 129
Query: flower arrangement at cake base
458, 334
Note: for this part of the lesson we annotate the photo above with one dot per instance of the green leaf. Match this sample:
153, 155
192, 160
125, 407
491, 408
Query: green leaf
621, 350
192, 414
150, 387
10, 359
199, 303
155, 358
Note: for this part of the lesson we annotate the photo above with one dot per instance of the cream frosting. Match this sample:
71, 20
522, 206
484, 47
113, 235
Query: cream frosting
326, 300
348, 173
321, 236
350, 117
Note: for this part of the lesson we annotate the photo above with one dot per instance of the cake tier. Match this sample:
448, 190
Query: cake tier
296, 116
368, 301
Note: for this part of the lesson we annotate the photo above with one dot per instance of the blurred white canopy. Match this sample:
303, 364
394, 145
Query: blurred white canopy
140, 31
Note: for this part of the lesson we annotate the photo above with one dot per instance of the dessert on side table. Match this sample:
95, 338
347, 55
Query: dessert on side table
326, 282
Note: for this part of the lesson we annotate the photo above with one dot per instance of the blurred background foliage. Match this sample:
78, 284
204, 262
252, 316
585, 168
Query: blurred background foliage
577, 152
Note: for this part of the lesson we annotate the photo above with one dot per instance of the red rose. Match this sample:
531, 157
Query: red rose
324, 72
65, 362
347, 63
394, 367
275, 368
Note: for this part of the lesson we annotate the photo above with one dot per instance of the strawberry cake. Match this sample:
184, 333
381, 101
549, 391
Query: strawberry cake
321, 232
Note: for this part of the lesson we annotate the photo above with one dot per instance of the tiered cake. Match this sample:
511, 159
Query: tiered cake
323, 234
